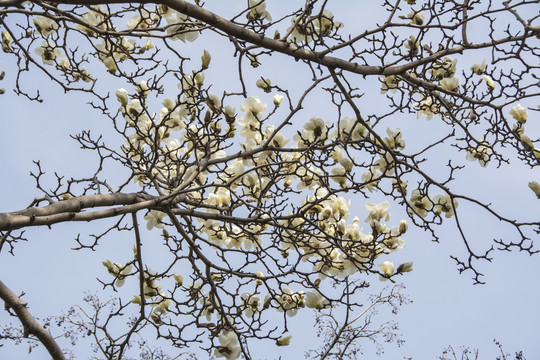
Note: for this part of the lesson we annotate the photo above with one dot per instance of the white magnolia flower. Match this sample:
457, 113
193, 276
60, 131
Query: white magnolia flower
479, 68
480, 153
420, 203
519, 113
416, 17
412, 45
181, 28
427, 107
535, 187
153, 218
229, 348
489, 82
450, 84
387, 268
122, 96
378, 212
277, 99
444, 68
258, 10
390, 82
44, 25
443, 203
48, 52
315, 300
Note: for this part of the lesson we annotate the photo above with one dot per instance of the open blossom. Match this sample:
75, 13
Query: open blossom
519, 113
480, 153
277, 99
387, 268
378, 212
290, 301
229, 347
181, 28
44, 25
443, 203
478, 69
117, 270
450, 84
252, 304
391, 83
153, 219
48, 52
420, 204
315, 300
416, 17
426, 107
412, 45
258, 10
444, 68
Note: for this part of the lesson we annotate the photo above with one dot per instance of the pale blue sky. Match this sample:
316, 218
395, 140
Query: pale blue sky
446, 310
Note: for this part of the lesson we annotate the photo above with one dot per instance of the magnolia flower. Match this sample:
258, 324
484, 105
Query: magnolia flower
252, 304
289, 301
535, 187
315, 300
180, 28
6, 42
258, 10
443, 203
391, 83
44, 25
394, 141
420, 203
519, 113
412, 45
426, 107
94, 17
178, 278
479, 68
416, 17
205, 59
118, 270
450, 84
142, 21
229, 348
277, 99
480, 153
153, 218
48, 52
444, 68
264, 84
387, 268
284, 341
405, 267
489, 82
122, 96
142, 88
378, 211
324, 23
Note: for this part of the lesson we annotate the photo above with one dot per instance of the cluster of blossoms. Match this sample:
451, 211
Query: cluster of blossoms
420, 204
303, 31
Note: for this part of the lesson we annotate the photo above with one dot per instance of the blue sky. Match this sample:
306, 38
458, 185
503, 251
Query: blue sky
447, 308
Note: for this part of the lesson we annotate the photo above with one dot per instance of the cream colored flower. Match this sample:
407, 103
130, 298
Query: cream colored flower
478, 69
387, 268
44, 25
519, 113
535, 187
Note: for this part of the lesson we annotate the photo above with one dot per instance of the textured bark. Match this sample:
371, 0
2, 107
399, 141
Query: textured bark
30, 325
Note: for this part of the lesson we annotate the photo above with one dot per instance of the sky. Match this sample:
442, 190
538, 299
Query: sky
447, 309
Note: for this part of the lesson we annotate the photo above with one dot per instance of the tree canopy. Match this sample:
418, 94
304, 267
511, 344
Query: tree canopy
263, 148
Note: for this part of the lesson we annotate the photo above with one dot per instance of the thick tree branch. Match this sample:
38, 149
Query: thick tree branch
31, 326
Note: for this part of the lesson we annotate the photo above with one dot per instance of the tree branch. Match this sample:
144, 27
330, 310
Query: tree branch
30, 325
